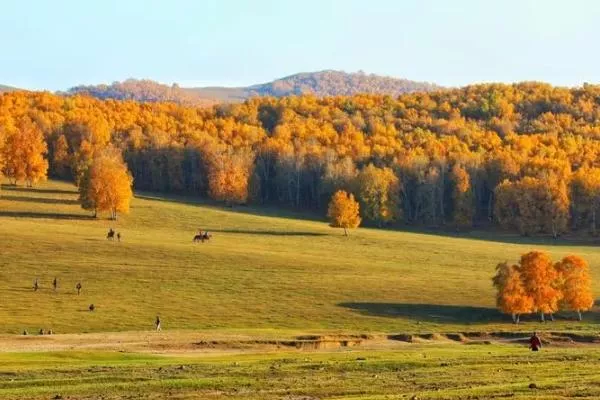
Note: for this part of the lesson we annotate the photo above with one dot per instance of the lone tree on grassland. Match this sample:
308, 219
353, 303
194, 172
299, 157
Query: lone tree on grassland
343, 211
106, 186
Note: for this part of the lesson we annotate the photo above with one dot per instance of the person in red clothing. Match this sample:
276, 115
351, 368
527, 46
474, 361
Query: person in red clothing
534, 342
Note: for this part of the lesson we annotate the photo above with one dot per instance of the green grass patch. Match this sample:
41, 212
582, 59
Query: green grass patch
426, 371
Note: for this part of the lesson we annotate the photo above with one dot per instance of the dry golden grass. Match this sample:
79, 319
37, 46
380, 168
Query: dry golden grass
263, 270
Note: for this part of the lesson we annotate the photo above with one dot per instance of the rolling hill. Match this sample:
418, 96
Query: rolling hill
392, 310
322, 83
143, 90
263, 269
5, 88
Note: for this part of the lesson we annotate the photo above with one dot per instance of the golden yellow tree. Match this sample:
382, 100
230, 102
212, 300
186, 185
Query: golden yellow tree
108, 184
576, 284
585, 195
229, 174
511, 296
462, 197
24, 152
541, 281
379, 193
533, 205
2, 156
343, 211
61, 160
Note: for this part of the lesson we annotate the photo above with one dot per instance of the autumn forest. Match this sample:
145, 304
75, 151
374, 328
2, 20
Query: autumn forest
523, 157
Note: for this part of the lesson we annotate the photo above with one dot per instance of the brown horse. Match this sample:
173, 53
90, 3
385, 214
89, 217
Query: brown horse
201, 237
111, 234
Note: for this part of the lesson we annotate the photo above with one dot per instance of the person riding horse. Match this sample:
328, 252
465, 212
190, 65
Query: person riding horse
201, 237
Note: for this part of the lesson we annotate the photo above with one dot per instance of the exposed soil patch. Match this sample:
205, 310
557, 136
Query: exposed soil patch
555, 338
194, 342
307, 342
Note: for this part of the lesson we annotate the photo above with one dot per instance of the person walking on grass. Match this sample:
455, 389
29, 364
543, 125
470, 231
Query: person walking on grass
157, 324
36, 285
534, 342
55, 284
78, 287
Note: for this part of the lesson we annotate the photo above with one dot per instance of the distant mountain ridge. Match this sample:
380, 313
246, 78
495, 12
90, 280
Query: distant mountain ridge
4, 88
321, 83
337, 83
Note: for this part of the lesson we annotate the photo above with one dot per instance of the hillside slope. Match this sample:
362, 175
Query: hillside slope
5, 88
142, 90
337, 83
262, 270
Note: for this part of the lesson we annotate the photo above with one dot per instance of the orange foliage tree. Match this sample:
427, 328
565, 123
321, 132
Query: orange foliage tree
511, 297
24, 152
107, 184
585, 195
540, 279
379, 193
576, 284
61, 160
462, 197
2, 140
229, 176
542, 140
343, 211
533, 205
538, 285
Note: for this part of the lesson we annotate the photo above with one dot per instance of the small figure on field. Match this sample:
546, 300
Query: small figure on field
25, 333
41, 331
36, 285
111, 234
78, 287
534, 342
91, 307
55, 284
202, 236
157, 323
118, 236
50, 332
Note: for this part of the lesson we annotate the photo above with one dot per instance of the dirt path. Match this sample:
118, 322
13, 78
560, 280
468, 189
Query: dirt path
181, 342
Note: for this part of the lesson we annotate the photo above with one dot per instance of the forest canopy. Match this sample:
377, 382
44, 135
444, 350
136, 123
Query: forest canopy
511, 155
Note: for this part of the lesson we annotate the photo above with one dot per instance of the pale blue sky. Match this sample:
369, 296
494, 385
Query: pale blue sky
55, 44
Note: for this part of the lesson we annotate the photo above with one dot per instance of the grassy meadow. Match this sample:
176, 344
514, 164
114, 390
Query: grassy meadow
261, 271
265, 275
410, 372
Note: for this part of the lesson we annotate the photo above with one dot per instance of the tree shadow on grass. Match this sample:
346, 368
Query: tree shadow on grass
14, 188
42, 200
444, 314
267, 232
28, 214
21, 290
499, 236
254, 210
453, 314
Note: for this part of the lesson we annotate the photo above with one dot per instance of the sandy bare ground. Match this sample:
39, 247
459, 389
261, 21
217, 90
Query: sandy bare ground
194, 342
133, 341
